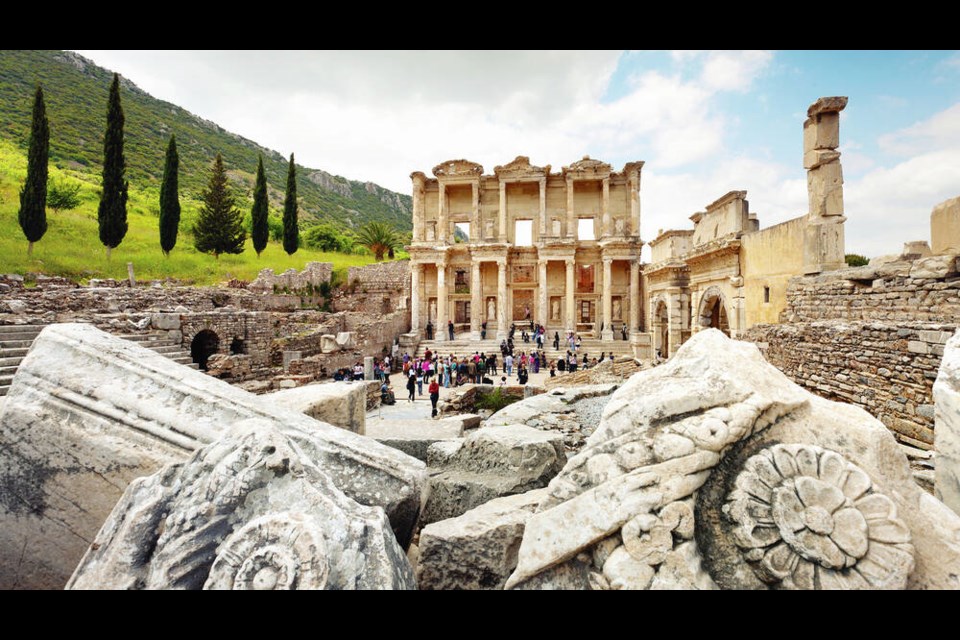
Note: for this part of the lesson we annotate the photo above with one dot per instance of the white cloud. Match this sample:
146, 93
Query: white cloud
939, 131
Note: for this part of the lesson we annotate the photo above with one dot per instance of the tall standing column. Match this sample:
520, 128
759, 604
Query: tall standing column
476, 301
542, 263
635, 205
475, 233
442, 218
571, 216
502, 299
441, 329
502, 214
416, 269
543, 231
419, 181
634, 295
607, 333
570, 319
606, 230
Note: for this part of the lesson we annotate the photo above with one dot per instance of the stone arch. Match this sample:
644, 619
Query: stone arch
204, 344
660, 323
713, 311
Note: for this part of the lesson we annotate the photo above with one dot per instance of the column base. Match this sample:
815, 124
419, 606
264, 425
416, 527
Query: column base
475, 335
501, 334
606, 335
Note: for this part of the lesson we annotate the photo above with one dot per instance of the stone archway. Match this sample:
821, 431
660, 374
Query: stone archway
713, 311
661, 327
204, 344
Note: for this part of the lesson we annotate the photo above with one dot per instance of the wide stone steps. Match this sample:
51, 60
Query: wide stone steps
462, 347
15, 341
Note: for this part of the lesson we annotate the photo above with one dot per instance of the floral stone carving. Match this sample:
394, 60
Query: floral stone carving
807, 518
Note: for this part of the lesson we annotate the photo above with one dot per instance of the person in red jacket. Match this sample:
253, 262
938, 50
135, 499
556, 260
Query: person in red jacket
434, 390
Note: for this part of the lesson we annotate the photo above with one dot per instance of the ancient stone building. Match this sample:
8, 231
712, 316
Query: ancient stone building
526, 244
729, 274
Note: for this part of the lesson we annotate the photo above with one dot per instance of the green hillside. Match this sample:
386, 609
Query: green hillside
76, 95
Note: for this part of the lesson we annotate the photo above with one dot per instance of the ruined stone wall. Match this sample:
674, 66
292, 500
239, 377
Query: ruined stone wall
376, 332
254, 329
313, 274
380, 288
768, 259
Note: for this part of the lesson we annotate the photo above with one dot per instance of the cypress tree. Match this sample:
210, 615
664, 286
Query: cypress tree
170, 199
112, 214
33, 195
291, 232
219, 227
258, 215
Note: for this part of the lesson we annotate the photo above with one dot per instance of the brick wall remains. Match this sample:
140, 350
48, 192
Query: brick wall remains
253, 328
309, 279
379, 288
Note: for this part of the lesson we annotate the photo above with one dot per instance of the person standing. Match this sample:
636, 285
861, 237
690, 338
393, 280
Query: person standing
471, 370
492, 364
434, 390
411, 387
508, 364
556, 341
419, 381
429, 330
450, 328
483, 330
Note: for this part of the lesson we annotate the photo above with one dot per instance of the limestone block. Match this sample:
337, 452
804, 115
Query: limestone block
827, 105
489, 463
165, 321
328, 343
816, 157
915, 249
940, 266
414, 437
346, 340
797, 503
825, 190
368, 367
290, 356
477, 550
945, 227
821, 132
87, 413
249, 511
15, 306
946, 397
342, 404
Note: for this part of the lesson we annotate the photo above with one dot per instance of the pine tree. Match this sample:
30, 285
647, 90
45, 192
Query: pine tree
112, 214
33, 195
219, 227
170, 199
261, 230
291, 232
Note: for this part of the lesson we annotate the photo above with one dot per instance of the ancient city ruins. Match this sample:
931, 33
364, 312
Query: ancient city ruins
758, 415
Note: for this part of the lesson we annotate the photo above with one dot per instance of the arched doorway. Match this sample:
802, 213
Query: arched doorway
204, 344
713, 311
662, 329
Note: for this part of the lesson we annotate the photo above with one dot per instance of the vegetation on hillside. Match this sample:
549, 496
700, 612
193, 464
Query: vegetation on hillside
76, 93
219, 227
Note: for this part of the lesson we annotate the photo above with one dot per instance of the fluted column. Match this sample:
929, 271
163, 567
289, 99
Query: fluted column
635, 205
419, 181
606, 230
442, 217
475, 233
634, 295
416, 270
607, 333
570, 319
502, 299
543, 313
441, 330
571, 215
502, 214
542, 231
476, 301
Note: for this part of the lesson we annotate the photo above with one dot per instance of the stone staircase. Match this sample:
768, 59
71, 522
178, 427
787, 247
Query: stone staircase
464, 346
15, 341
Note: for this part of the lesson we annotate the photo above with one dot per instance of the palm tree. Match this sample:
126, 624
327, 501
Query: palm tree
380, 238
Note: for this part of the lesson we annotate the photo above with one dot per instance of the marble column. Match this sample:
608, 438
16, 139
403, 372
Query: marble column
571, 215
502, 214
477, 312
441, 328
607, 333
543, 231
570, 318
606, 230
416, 271
442, 218
501, 299
419, 181
635, 205
634, 295
544, 301
475, 233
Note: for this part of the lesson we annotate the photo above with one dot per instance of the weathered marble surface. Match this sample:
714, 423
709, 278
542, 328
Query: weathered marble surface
946, 397
87, 413
714, 470
342, 404
250, 511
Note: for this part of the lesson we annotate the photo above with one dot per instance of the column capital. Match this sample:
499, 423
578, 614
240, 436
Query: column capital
502, 262
607, 260
570, 261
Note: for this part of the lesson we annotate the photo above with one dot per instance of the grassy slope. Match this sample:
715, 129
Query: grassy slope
71, 246
76, 96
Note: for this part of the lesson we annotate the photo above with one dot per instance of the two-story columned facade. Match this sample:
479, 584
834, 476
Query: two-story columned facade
526, 244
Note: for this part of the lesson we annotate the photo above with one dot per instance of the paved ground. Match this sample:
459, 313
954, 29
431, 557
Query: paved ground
420, 408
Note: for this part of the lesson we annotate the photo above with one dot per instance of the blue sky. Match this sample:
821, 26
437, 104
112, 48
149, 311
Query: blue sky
705, 122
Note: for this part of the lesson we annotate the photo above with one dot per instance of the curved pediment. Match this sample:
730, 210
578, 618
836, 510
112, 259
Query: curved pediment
520, 167
588, 167
458, 169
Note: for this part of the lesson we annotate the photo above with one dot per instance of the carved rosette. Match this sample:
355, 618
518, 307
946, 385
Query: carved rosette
274, 552
807, 518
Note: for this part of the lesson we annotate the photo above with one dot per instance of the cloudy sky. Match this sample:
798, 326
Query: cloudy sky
705, 122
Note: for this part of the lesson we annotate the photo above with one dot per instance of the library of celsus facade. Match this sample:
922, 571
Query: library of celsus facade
526, 244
